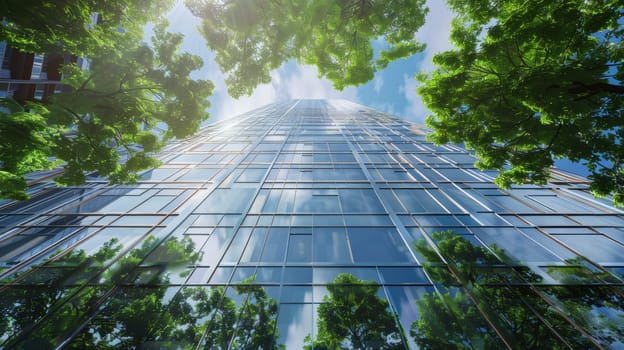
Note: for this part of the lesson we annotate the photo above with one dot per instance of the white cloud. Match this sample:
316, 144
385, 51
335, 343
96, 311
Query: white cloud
435, 33
295, 81
378, 83
288, 82
305, 83
225, 106
415, 110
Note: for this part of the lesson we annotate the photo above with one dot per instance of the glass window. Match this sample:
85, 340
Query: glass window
342, 158
325, 275
360, 201
404, 300
547, 242
233, 147
298, 275
330, 245
275, 246
215, 246
597, 248
368, 220
221, 275
287, 201
206, 220
294, 323
309, 201
549, 220
269, 275
199, 174
238, 245
153, 204
615, 233
599, 220
116, 204
387, 247
272, 200
327, 220
436, 220
243, 274
464, 198
125, 236
509, 204
199, 276
205, 147
254, 247
412, 275
251, 175
300, 249
301, 220
562, 204
454, 174
418, 201
189, 158
227, 200
268, 146
338, 147
264, 158
296, 294
159, 173
515, 245
392, 175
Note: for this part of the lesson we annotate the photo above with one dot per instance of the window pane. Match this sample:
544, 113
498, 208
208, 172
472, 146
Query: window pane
300, 248
254, 247
387, 247
227, 200
294, 323
275, 247
330, 245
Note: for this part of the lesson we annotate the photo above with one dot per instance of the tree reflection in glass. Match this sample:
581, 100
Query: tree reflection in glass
486, 301
83, 302
29, 297
353, 316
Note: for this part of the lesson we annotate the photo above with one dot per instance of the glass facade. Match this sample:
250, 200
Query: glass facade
312, 224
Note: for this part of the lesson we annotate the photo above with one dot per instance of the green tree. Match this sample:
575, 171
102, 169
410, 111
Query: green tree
34, 295
22, 147
487, 301
119, 101
114, 106
67, 26
136, 315
252, 38
250, 325
53, 299
352, 316
532, 82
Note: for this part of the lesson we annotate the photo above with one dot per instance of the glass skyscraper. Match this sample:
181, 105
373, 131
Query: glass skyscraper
312, 224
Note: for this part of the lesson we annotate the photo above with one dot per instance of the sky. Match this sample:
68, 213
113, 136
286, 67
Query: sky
393, 90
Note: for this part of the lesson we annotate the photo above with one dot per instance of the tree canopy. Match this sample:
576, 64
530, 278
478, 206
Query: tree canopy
251, 38
112, 300
529, 83
352, 316
23, 149
109, 118
487, 301
119, 102
77, 27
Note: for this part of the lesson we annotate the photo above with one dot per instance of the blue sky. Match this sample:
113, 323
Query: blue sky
392, 90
